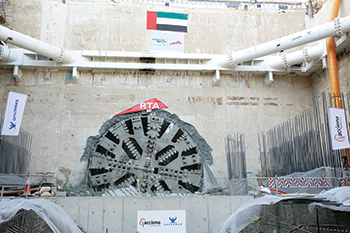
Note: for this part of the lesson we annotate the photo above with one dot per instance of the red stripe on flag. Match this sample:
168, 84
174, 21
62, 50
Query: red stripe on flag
151, 20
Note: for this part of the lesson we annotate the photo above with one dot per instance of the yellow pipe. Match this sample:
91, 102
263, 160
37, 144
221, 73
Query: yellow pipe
332, 60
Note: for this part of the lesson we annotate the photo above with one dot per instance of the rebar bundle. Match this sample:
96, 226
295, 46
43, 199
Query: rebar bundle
15, 153
236, 156
303, 143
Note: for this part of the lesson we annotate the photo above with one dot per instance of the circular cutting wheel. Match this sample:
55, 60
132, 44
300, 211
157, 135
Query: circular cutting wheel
148, 153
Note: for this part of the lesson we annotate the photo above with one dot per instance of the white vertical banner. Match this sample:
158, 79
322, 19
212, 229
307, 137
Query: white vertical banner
160, 221
14, 113
339, 133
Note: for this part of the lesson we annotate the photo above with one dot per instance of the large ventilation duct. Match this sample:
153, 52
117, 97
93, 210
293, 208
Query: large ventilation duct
37, 46
7, 55
337, 27
305, 55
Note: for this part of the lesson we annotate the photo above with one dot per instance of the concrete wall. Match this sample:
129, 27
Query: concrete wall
322, 16
320, 80
61, 114
106, 26
119, 214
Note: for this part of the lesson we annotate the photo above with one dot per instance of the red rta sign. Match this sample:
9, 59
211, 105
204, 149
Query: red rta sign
146, 105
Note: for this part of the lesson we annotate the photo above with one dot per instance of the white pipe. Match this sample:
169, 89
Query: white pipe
37, 46
287, 60
7, 55
337, 27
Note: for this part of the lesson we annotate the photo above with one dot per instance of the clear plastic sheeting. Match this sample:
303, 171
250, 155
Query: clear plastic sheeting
322, 176
336, 199
341, 196
10, 181
51, 213
246, 214
238, 186
210, 184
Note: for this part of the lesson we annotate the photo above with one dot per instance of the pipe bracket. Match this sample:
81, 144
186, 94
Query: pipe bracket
17, 73
337, 27
230, 60
216, 77
2, 51
61, 56
306, 55
284, 61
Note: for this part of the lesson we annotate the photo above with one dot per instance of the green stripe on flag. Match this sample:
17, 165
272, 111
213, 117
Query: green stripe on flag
172, 15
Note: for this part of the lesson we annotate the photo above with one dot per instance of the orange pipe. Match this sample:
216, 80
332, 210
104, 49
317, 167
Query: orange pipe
333, 71
332, 60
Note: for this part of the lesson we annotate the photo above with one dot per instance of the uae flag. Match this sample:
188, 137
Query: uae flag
166, 21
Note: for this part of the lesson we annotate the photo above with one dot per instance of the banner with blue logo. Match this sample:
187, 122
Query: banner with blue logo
160, 221
14, 113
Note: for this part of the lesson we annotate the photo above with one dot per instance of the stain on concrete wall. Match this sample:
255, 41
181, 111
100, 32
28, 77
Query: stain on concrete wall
200, 99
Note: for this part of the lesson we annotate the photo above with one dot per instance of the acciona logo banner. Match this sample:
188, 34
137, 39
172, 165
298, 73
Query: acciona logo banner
14, 113
339, 132
160, 221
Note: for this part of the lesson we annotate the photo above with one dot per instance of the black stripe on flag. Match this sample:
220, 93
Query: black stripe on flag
174, 28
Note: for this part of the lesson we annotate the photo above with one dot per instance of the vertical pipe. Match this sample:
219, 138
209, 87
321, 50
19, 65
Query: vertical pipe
261, 157
332, 58
264, 138
228, 157
317, 221
344, 151
2, 192
311, 10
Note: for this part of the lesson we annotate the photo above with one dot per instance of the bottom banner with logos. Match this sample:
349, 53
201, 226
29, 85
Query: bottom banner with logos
160, 221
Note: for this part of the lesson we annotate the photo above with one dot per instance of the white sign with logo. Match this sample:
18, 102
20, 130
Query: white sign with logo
167, 41
160, 221
14, 113
339, 132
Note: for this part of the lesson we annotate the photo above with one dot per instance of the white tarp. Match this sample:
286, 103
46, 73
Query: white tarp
247, 213
250, 211
339, 132
167, 41
14, 113
340, 195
